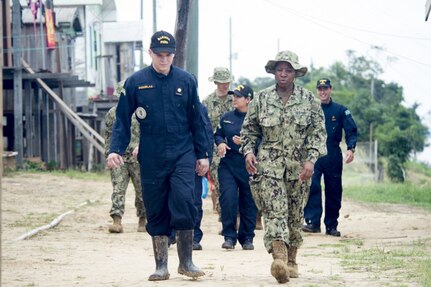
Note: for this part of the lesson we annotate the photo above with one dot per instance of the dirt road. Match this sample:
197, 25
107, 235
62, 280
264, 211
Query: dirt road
80, 251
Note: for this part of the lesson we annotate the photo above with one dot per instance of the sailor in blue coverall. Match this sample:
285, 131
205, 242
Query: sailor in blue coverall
337, 118
233, 176
173, 147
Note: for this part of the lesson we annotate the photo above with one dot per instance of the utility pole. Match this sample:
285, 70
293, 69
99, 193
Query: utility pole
154, 16
181, 32
17, 82
141, 52
192, 63
230, 50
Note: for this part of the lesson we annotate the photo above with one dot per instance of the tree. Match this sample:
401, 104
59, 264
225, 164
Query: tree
376, 106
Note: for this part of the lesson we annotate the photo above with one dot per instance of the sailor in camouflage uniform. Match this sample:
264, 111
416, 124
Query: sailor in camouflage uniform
120, 176
218, 103
290, 122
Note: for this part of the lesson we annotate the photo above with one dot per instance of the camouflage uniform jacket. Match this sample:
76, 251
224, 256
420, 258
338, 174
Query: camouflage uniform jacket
134, 140
291, 133
217, 107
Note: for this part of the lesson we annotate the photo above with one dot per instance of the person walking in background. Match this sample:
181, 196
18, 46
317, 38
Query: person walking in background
235, 194
337, 119
290, 122
121, 176
218, 103
173, 147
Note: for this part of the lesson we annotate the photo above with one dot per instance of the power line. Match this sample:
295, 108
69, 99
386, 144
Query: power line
320, 25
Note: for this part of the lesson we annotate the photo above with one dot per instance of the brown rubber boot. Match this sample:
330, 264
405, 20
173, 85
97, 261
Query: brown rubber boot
259, 225
116, 226
279, 266
160, 248
291, 262
184, 248
141, 224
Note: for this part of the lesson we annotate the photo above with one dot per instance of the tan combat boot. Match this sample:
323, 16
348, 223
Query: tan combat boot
291, 263
116, 227
279, 266
141, 224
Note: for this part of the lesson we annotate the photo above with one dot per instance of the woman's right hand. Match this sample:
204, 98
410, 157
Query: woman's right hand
250, 163
222, 148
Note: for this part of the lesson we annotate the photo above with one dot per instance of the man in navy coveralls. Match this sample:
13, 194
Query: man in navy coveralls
173, 147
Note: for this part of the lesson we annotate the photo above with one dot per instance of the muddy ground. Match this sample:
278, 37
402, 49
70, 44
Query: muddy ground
79, 251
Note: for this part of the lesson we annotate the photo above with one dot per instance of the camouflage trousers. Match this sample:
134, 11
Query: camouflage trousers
282, 205
120, 178
214, 176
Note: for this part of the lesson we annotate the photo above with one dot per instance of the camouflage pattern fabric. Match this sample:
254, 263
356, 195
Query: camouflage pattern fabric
121, 176
282, 204
221, 75
134, 139
216, 108
292, 134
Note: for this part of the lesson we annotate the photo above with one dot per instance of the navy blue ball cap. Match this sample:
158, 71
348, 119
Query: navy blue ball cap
323, 83
242, 91
163, 41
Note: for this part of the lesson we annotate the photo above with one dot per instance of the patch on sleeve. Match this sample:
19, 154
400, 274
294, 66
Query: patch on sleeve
141, 113
347, 112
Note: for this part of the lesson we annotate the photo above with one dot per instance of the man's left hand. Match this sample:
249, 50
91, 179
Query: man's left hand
350, 155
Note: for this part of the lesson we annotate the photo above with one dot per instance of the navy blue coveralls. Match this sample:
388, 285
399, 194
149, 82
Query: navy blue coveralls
197, 236
172, 137
337, 118
234, 182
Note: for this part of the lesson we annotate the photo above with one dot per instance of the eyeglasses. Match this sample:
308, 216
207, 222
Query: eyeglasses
323, 88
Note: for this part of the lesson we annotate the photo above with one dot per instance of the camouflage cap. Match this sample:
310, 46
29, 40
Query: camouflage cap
118, 88
221, 75
291, 58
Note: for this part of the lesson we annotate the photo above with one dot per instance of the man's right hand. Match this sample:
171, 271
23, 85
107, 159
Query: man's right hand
114, 160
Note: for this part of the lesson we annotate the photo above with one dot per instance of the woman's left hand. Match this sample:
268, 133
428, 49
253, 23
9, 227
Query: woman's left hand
307, 171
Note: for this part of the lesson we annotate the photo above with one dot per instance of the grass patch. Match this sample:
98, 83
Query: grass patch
406, 263
400, 193
70, 173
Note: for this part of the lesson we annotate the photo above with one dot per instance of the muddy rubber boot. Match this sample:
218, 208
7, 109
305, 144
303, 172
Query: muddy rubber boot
291, 262
259, 225
116, 226
279, 266
160, 248
184, 248
141, 224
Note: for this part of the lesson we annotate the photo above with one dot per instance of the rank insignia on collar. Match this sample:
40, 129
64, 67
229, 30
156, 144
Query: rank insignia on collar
179, 92
227, 122
141, 113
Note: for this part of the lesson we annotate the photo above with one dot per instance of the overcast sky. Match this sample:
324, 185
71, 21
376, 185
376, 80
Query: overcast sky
320, 32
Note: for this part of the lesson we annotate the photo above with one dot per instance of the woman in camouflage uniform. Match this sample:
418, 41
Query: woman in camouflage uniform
290, 122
